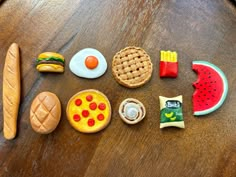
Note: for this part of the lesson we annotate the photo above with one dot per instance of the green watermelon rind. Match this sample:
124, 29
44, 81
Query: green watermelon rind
225, 92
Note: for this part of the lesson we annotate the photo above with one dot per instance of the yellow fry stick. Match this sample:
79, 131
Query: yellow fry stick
168, 56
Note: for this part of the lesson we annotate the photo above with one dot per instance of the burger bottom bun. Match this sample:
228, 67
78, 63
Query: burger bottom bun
50, 68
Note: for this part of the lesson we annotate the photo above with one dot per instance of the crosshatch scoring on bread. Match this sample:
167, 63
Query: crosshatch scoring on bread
45, 113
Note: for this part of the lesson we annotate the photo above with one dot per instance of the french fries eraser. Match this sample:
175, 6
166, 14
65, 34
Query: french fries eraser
168, 64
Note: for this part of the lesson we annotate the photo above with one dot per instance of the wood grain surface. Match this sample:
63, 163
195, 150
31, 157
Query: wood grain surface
196, 29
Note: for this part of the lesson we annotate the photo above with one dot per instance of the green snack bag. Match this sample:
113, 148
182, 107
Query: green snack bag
171, 112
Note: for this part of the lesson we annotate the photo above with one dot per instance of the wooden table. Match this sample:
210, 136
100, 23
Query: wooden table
196, 29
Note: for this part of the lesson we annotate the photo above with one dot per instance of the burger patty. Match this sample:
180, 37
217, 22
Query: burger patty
50, 62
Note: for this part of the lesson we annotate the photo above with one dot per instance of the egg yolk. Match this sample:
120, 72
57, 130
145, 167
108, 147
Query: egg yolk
91, 62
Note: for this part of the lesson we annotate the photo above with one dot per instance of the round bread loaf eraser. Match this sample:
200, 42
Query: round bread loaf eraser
88, 63
45, 112
89, 111
132, 111
132, 67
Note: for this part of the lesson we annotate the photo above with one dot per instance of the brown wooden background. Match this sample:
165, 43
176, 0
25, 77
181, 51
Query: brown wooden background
196, 29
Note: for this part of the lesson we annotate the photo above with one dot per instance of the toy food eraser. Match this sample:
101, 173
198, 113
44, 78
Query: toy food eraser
132, 111
50, 62
88, 63
168, 64
45, 113
11, 91
211, 88
132, 67
89, 111
171, 112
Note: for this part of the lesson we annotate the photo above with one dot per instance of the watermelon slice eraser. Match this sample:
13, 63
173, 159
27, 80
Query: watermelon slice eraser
211, 88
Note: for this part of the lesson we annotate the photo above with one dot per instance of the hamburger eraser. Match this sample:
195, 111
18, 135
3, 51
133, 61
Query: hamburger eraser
50, 62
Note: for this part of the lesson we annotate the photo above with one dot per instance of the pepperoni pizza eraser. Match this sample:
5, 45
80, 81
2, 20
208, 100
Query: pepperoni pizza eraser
132, 111
89, 111
171, 112
168, 64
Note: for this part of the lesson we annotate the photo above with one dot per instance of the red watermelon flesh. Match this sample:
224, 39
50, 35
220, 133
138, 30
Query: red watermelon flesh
211, 88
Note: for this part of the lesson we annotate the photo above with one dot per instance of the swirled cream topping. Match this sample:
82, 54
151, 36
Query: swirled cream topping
132, 111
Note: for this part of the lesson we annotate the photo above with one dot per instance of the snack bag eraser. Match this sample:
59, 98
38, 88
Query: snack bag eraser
171, 112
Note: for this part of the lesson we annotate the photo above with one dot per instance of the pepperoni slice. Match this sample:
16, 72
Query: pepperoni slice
93, 106
91, 122
85, 113
100, 117
78, 102
102, 106
76, 118
89, 98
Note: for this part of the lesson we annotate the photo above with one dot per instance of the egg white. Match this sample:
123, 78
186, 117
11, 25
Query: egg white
78, 67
